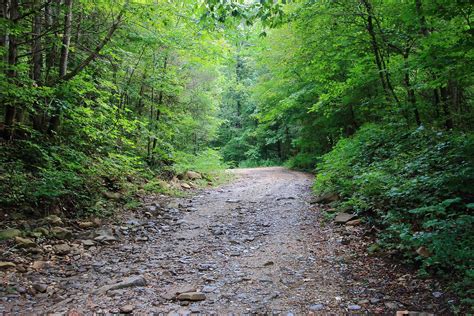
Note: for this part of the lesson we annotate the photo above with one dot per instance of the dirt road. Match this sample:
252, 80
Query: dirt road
252, 246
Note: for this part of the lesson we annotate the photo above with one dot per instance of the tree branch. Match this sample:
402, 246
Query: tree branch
95, 53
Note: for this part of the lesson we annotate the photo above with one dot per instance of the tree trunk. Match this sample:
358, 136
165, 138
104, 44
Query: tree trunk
37, 61
93, 55
55, 120
374, 44
445, 98
10, 109
410, 92
52, 9
66, 39
36, 55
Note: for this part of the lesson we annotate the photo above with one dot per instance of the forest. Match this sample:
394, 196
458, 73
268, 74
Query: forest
106, 101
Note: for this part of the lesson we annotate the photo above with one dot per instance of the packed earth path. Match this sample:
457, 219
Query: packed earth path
254, 246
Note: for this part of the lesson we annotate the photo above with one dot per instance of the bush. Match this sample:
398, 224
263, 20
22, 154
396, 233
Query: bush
418, 185
46, 178
302, 161
206, 162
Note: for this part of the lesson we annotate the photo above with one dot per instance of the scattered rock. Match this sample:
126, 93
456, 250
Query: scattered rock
24, 242
62, 249
354, 222
38, 265
185, 185
6, 265
316, 307
342, 218
9, 233
191, 175
40, 287
112, 195
326, 198
88, 242
374, 300
86, 224
21, 290
172, 292
34, 250
391, 305
61, 233
125, 283
354, 307
192, 296
103, 235
437, 294
127, 309
53, 220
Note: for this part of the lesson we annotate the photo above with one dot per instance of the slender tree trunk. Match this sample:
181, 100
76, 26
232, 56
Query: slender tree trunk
124, 95
141, 94
66, 39
52, 9
410, 92
36, 55
37, 61
379, 58
352, 128
374, 44
446, 111
55, 120
238, 74
4, 15
93, 55
10, 109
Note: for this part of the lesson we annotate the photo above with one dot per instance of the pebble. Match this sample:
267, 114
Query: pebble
6, 265
354, 307
191, 296
24, 242
40, 287
127, 309
316, 307
62, 249
88, 242
391, 305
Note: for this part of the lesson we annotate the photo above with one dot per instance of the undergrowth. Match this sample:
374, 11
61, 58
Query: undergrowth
38, 179
418, 186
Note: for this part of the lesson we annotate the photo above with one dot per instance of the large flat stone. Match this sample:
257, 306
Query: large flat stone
342, 218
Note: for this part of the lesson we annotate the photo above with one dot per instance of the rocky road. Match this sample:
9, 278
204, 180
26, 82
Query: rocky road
254, 246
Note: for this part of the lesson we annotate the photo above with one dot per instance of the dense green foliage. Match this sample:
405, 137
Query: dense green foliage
132, 93
375, 96
417, 184
335, 66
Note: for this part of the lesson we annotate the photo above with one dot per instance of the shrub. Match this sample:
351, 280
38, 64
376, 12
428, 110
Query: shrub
418, 185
